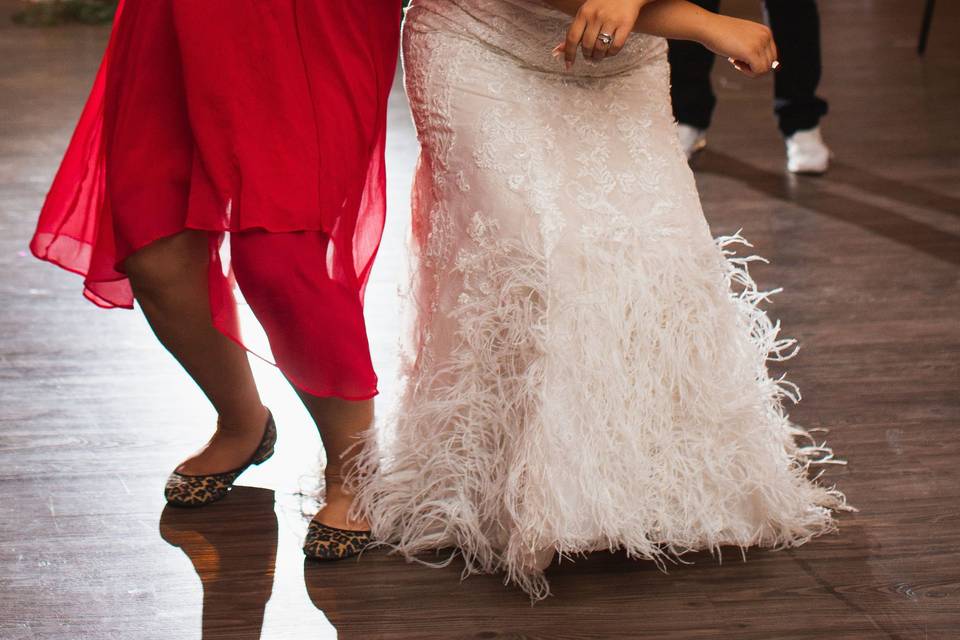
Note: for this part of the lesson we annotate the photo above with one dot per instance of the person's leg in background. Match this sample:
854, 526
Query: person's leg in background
691, 90
796, 30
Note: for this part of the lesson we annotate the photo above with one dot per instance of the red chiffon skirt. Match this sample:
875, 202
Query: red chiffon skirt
259, 122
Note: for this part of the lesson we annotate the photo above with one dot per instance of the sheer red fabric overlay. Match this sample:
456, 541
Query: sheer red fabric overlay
259, 122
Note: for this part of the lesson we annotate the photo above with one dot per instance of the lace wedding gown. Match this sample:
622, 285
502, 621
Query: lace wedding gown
588, 366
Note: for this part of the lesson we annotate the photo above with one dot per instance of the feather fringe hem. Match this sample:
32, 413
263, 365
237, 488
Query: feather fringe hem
630, 409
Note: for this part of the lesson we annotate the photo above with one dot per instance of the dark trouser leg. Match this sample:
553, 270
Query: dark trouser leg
796, 29
690, 66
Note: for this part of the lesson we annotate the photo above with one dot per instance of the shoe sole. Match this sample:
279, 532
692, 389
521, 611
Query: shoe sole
815, 174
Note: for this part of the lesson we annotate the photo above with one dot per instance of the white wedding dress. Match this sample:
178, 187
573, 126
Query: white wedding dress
588, 367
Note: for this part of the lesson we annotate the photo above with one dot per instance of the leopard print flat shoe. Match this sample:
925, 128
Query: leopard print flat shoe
196, 491
327, 543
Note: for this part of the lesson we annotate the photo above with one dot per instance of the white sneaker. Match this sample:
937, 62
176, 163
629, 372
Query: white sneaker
807, 153
692, 140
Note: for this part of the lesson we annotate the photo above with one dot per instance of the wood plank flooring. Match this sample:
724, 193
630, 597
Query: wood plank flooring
93, 414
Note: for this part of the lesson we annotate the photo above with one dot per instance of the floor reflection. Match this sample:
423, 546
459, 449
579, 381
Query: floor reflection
820, 195
233, 548
358, 599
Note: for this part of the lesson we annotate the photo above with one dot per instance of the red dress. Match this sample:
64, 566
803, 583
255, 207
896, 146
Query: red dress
263, 122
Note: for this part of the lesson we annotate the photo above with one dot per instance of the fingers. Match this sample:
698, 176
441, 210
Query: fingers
769, 56
589, 42
758, 62
605, 40
597, 36
574, 36
620, 37
775, 54
744, 67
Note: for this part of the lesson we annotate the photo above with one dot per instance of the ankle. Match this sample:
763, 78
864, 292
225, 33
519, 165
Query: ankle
242, 424
337, 511
335, 486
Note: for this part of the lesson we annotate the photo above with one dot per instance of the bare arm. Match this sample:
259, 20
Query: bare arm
748, 44
676, 19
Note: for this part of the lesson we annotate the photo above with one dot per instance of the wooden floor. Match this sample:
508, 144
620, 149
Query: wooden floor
93, 414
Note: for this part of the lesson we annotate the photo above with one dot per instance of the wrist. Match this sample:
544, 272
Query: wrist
706, 28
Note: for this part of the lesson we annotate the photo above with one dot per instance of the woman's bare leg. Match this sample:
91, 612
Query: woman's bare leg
341, 423
313, 323
169, 280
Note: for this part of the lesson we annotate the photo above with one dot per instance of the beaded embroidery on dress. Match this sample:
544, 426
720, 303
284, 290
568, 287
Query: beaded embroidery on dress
588, 366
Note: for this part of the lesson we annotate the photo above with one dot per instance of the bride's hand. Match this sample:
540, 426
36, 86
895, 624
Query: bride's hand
748, 46
614, 18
